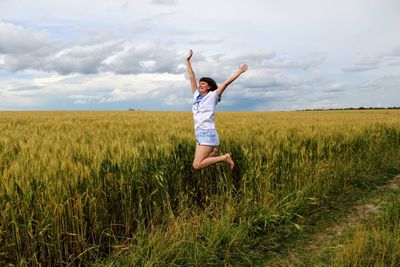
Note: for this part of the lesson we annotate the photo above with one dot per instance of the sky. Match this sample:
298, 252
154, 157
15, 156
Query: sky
119, 55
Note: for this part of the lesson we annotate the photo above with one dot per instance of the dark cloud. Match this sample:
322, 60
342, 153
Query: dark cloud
145, 58
16, 40
65, 57
334, 90
62, 58
380, 84
359, 68
366, 63
82, 59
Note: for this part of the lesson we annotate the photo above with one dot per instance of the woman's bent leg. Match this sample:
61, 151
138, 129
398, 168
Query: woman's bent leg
203, 159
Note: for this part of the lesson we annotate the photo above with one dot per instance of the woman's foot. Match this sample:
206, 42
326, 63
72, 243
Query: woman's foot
229, 160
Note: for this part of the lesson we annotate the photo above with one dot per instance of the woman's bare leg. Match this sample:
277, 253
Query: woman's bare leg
202, 158
214, 153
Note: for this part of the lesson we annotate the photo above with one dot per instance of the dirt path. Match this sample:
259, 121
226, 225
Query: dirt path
318, 240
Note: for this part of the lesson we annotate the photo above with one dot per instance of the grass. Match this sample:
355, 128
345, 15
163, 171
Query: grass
324, 233
370, 241
117, 188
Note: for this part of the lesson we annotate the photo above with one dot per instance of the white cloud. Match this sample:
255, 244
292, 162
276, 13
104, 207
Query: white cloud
164, 2
395, 51
176, 99
98, 88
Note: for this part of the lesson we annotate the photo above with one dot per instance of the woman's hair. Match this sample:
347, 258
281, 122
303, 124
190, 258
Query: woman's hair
210, 82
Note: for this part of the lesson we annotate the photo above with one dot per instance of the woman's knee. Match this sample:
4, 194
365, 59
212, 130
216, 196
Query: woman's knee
196, 165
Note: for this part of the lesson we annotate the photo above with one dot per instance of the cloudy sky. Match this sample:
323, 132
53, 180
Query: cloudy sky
103, 55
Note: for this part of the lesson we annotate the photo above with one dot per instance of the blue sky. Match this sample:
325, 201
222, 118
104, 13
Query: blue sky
87, 54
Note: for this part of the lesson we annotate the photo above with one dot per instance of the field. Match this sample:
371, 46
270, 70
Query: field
116, 188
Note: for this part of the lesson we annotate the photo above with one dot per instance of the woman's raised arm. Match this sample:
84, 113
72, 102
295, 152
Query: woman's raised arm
190, 71
222, 86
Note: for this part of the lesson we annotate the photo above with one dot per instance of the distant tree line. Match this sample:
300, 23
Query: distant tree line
322, 109
359, 108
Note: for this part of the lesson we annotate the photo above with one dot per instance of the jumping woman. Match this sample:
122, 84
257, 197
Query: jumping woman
205, 98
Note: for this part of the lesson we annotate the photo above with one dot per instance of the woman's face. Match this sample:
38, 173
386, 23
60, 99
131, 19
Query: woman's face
204, 87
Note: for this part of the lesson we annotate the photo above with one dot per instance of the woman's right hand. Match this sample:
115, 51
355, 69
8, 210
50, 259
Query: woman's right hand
243, 68
189, 55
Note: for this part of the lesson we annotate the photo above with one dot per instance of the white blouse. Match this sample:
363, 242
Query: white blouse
203, 109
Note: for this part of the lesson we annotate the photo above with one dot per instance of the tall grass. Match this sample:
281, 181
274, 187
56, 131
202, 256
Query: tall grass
76, 187
374, 242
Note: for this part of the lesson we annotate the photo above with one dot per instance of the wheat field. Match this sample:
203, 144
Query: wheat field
116, 188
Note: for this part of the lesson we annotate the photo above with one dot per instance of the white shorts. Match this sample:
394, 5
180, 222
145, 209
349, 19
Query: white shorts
208, 137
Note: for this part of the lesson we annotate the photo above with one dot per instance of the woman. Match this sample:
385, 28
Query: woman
205, 98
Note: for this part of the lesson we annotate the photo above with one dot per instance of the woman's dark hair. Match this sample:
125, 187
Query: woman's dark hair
210, 82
